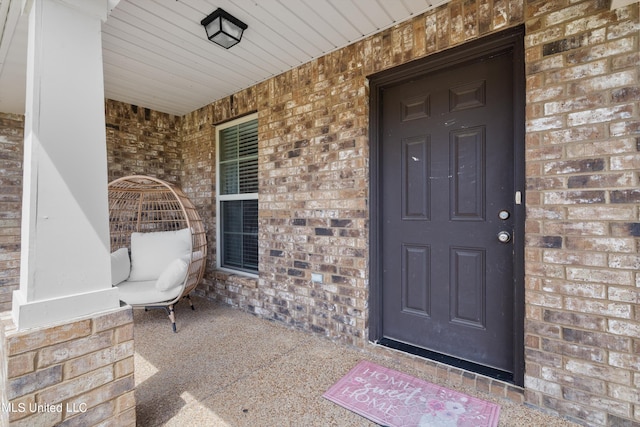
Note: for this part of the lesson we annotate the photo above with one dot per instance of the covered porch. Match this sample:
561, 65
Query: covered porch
141, 91
246, 371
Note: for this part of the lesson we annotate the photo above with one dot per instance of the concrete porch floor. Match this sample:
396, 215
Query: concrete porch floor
226, 367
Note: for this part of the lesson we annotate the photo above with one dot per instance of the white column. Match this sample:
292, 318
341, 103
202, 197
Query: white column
65, 265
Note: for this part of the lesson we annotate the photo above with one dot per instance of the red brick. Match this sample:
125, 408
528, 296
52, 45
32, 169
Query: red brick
573, 197
576, 228
600, 244
609, 81
541, 37
545, 387
623, 327
599, 340
598, 148
591, 53
33, 381
544, 123
592, 401
574, 166
626, 60
599, 371
544, 153
576, 381
484, 16
582, 134
575, 258
569, 13
631, 262
608, 309
624, 128
35, 339
580, 320
566, 106
602, 180
599, 276
516, 11
58, 353
568, 288
544, 330
628, 162
574, 350
625, 360
602, 213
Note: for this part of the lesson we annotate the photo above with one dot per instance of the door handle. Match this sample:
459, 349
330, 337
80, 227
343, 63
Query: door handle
504, 237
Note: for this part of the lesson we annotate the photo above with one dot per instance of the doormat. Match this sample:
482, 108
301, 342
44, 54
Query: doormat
391, 398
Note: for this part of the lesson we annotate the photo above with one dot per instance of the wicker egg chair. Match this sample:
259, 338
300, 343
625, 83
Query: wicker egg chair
143, 204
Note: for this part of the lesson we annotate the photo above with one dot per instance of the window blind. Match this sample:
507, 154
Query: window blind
240, 235
238, 196
239, 159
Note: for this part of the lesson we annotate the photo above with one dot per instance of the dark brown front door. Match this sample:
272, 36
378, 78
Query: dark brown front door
446, 193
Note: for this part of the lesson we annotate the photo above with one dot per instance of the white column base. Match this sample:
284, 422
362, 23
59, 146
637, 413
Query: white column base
34, 314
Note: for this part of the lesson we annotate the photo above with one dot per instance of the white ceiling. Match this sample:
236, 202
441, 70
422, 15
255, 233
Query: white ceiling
156, 54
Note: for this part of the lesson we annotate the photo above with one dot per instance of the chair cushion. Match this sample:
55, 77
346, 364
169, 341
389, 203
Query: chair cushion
174, 274
145, 293
152, 252
120, 266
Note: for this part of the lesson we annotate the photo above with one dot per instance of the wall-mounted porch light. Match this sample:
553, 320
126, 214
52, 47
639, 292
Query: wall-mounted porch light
223, 28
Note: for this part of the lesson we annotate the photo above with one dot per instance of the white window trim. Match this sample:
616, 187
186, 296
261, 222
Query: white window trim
219, 198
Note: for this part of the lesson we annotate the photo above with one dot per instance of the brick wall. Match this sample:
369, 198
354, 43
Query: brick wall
142, 142
582, 336
313, 196
197, 177
583, 137
313, 172
11, 154
582, 177
78, 373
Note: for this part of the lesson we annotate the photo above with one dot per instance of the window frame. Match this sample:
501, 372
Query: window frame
230, 197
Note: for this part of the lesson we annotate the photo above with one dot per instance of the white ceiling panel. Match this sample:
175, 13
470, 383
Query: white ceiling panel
397, 10
156, 54
377, 14
338, 23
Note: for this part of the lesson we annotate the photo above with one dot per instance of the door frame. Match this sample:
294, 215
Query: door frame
510, 40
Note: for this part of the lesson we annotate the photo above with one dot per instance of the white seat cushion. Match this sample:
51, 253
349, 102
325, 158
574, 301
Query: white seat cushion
145, 293
120, 266
152, 252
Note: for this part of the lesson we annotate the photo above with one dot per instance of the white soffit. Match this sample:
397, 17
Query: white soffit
156, 54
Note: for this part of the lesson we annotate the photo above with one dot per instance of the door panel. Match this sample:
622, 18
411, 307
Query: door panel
446, 171
468, 292
468, 164
415, 178
416, 282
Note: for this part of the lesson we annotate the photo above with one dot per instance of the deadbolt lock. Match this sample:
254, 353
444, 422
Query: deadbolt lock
504, 214
504, 237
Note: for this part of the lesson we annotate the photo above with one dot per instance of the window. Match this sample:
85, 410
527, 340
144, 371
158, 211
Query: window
237, 201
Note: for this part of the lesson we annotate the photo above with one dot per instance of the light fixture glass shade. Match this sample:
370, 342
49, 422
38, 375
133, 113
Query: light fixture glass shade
223, 28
